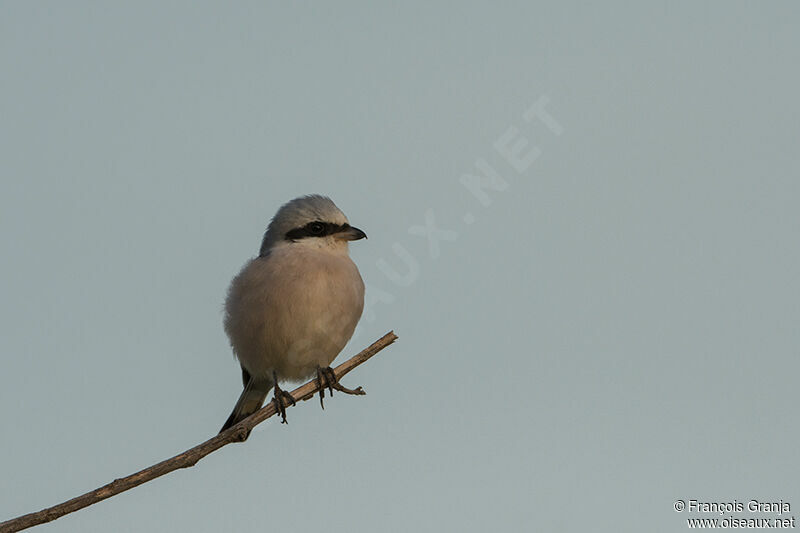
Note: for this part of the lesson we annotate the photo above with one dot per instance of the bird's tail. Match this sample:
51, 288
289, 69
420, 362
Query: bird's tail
250, 401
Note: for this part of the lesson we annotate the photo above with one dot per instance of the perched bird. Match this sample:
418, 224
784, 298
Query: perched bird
291, 310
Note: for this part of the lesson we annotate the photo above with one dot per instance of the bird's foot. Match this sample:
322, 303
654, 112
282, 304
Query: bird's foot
282, 399
326, 377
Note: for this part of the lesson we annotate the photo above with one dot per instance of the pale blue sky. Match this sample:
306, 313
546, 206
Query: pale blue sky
615, 330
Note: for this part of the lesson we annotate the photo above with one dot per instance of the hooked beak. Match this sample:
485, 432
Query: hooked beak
351, 234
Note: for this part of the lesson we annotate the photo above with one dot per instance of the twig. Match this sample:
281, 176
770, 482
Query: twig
191, 456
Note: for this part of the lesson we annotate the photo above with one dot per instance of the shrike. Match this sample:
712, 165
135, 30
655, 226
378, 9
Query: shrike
291, 310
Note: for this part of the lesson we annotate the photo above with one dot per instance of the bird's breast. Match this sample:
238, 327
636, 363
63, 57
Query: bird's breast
291, 312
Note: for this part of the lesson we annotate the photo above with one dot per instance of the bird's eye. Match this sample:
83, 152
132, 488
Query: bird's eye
316, 228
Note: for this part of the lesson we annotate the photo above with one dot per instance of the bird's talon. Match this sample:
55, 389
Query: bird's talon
290, 397
332, 383
330, 378
321, 390
280, 397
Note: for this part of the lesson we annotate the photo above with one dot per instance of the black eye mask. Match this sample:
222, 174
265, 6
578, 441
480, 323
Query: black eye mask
315, 229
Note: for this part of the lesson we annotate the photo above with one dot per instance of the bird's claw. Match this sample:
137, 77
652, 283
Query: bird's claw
282, 400
326, 377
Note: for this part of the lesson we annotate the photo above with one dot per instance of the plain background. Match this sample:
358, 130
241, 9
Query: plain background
617, 329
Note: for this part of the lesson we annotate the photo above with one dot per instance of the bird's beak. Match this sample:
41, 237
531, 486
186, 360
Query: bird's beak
351, 234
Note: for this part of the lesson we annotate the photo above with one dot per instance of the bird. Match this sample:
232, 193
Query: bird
291, 310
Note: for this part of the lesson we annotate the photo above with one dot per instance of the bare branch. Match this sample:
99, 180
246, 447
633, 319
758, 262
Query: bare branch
191, 456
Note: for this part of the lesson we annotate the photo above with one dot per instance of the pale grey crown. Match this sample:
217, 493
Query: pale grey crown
299, 212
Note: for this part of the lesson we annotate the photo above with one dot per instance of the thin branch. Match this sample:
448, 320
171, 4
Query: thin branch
191, 456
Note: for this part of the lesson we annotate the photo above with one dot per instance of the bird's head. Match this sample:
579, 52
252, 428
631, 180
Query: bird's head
312, 220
